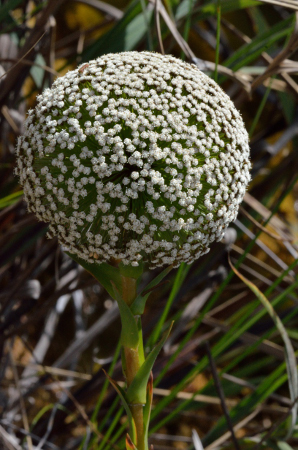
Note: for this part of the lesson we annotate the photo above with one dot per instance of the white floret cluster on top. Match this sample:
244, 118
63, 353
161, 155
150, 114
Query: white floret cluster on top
135, 156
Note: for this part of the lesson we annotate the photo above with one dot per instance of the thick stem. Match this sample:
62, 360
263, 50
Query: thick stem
137, 413
133, 363
129, 289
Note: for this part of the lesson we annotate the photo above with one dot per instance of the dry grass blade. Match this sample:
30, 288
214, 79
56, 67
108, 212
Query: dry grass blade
51, 55
7, 440
58, 372
275, 222
196, 441
290, 48
22, 403
26, 273
24, 433
262, 264
278, 398
202, 65
221, 395
30, 63
22, 58
104, 7
29, 375
66, 46
237, 427
187, 396
82, 342
275, 427
268, 347
210, 66
157, 22
82, 411
77, 405
284, 3
257, 224
263, 246
289, 66
290, 82
34, 37
9, 118
173, 29
191, 311
290, 357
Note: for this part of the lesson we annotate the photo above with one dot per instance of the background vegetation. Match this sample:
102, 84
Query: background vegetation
227, 377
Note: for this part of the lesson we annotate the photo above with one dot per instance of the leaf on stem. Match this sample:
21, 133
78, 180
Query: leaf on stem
103, 273
138, 305
129, 332
137, 391
122, 395
289, 351
147, 407
129, 444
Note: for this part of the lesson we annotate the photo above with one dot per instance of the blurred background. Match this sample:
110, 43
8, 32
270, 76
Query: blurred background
227, 378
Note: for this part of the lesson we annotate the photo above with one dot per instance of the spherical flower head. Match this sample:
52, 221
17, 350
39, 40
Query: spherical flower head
135, 157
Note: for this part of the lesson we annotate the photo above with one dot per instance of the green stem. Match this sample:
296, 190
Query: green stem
129, 289
133, 361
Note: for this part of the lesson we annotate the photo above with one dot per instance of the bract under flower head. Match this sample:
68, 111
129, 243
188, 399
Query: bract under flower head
135, 156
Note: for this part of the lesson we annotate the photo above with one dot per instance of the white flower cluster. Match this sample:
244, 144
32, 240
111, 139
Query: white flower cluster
135, 156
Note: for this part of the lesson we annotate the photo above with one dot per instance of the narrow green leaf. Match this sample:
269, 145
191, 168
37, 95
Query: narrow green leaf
129, 332
139, 303
147, 407
105, 386
122, 395
270, 384
260, 109
141, 344
283, 446
259, 19
289, 351
179, 279
111, 431
249, 52
103, 273
228, 339
209, 8
44, 410
10, 199
136, 393
248, 320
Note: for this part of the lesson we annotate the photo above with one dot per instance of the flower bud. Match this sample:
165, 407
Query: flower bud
135, 156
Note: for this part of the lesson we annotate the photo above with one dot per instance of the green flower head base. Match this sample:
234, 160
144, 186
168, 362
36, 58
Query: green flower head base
135, 156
